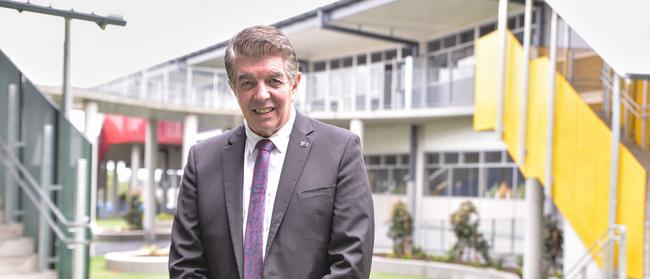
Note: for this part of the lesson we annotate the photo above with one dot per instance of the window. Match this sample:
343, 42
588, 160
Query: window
375, 57
388, 174
472, 174
361, 59
433, 46
390, 54
320, 66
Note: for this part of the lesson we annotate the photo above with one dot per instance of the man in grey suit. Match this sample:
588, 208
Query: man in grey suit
282, 196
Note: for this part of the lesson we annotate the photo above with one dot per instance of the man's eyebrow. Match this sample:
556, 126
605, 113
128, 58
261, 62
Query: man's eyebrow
243, 76
276, 74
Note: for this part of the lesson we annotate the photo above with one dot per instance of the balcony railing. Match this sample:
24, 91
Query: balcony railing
410, 83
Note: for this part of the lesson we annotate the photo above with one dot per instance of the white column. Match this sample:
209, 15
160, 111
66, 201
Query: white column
136, 151
80, 261
150, 152
528, 15
190, 129
92, 132
356, 126
551, 112
534, 225
615, 141
408, 82
502, 28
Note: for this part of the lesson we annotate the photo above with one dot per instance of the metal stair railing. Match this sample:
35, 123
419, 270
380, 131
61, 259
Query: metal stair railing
603, 248
38, 194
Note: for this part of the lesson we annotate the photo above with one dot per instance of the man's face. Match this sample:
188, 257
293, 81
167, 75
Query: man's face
264, 92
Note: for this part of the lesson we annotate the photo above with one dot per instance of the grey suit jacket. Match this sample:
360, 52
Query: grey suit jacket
322, 225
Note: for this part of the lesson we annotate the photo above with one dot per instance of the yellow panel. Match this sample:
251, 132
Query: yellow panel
512, 99
564, 161
630, 210
581, 147
536, 120
486, 82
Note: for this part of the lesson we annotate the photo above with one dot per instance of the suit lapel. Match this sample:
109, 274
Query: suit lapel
232, 165
299, 145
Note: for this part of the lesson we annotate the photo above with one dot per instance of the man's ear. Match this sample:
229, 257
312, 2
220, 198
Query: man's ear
294, 88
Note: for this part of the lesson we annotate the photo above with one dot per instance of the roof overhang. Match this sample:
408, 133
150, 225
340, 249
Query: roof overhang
417, 20
617, 31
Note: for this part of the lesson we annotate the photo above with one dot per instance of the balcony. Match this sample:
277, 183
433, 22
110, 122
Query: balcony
409, 85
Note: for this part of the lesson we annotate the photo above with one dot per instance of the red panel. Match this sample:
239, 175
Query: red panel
117, 129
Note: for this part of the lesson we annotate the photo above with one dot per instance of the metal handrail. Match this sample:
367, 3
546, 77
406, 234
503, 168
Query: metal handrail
8, 156
613, 234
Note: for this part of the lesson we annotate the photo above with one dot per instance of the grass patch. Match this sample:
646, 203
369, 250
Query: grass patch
376, 275
113, 223
98, 271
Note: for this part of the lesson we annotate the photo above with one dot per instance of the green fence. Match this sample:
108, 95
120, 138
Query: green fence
33, 110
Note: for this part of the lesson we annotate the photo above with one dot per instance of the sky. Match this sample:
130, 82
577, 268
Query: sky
156, 31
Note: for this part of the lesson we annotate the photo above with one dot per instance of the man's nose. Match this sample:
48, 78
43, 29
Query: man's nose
262, 91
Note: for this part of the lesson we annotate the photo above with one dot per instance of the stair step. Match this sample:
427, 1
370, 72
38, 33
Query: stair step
11, 231
31, 275
22, 246
18, 264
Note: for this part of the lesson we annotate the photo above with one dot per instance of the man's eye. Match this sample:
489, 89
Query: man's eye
246, 84
276, 82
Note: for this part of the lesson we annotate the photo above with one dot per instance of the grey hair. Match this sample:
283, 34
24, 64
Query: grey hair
258, 41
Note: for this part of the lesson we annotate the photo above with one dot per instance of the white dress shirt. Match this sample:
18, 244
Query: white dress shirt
280, 140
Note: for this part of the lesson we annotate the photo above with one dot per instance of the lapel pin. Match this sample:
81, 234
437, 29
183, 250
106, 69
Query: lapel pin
304, 144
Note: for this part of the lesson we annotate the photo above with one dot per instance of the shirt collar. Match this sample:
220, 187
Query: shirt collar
280, 138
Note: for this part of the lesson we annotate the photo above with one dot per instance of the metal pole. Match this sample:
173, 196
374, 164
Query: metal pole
79, 253
551, 111
11, 193
502, 28
615, 140
92, 133
67, 96
534, 226
151, 150
644, 119
44, 231
190, 128
410, 184
408, 82
528, 15
622, 252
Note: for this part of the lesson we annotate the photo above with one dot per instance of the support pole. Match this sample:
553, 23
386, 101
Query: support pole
11, 191
92, 132
534, 227
502, 29
615, 141
44, 232
136, 151
67, 95
80, 260
551, 112
411, 192
528, 15
190, 128
151, 150
356, 126
644, 119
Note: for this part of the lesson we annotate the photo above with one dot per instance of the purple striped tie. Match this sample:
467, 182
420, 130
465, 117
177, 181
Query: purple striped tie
253, 240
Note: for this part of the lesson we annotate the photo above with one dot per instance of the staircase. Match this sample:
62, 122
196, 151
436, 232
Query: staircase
17, 257
581, 148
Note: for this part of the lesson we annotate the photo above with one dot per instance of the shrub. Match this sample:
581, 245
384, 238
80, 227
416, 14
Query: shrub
465, 222
401, 230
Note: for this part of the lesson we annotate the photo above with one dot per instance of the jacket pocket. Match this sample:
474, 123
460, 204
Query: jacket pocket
317, 192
